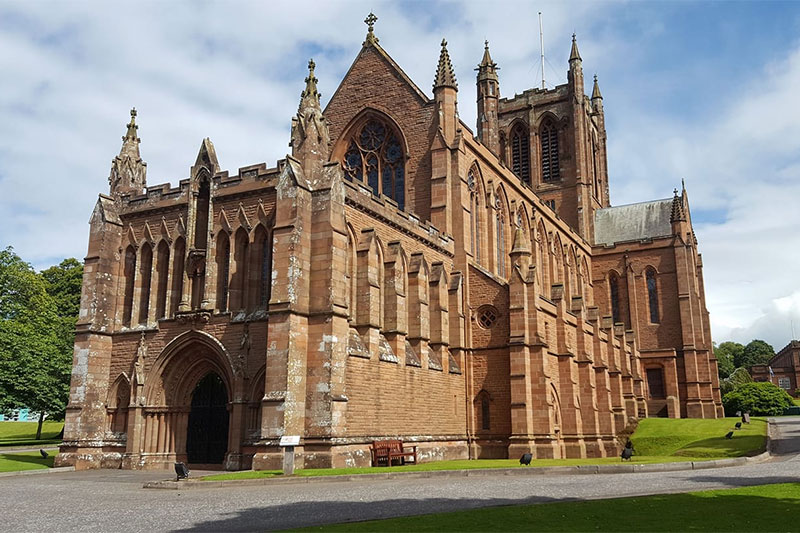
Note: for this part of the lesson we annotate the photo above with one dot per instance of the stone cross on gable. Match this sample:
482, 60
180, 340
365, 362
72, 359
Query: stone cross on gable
370, 22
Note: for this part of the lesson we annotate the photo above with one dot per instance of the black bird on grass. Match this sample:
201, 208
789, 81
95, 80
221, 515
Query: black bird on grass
738, 425
525, 459
729, 435
43, 453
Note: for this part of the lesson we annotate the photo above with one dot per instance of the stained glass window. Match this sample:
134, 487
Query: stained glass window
375, 156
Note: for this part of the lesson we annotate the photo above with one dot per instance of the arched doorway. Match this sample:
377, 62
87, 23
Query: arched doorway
207, 433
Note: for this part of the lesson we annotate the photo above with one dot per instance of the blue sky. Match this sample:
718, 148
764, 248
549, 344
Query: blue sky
705, 91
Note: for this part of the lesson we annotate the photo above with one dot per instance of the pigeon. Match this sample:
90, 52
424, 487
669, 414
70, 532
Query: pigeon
525, 459
729, 435
43, 453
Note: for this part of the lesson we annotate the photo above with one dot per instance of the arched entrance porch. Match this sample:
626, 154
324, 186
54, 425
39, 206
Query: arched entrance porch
184, 411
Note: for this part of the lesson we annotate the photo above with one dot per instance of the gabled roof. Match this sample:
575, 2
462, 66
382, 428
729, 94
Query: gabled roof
633, 222
373, 43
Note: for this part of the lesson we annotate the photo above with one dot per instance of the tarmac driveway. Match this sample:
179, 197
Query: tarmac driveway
114, 500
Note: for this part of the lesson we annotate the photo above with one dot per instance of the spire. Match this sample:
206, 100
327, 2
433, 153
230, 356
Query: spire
128, 171
130, 141
574, 54
487, 69
445, 76
370, 22
676, 214
310, 95
310, 135
596, 90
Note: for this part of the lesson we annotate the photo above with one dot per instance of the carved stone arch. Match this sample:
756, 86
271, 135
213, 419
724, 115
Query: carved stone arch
351, 271
183, 362
361, 118
117, 403
374, 140
241, 218
180, 228
267, 219
260, 267
164, 231
130, 238
120, 388
558, 260
147, 234
254, 400
548, 116
223, 223
483, 411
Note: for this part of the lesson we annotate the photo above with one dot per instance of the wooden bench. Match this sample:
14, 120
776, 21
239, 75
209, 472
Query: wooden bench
385, 452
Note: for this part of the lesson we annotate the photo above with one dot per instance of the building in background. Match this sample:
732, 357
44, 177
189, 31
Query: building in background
782, 370
399, 275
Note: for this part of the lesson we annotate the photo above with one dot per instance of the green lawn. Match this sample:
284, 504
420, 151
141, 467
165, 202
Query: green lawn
796, 401
15, 461
759, 508
24, 433
465, 464
692, 437
656, 440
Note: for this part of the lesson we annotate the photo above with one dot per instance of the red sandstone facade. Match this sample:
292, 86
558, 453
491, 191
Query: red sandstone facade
396, 276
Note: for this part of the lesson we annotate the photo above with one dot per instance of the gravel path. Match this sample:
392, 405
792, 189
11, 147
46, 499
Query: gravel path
113, 500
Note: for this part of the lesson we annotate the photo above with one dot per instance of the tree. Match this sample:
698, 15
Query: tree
757, 352
34, 361
726, 354
738, 377
761, 398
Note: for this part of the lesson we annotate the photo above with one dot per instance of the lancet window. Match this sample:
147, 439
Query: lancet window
376, 156
613, 285
500, 237
475, 216
652, 295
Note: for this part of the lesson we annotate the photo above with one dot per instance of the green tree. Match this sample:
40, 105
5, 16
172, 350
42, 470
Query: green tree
34, 364
761, 398
726, 354
757, 352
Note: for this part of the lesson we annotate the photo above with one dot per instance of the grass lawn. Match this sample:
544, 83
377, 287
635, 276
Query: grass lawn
759, 508
693, 437
15, 461
656, 440
24, 433
796, 401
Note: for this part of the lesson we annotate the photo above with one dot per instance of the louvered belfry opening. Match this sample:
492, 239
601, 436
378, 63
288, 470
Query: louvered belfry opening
549, 140
520, 153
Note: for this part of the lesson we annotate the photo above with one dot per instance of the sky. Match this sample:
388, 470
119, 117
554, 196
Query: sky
701, 91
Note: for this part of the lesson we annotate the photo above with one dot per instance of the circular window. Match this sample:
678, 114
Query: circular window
487, 316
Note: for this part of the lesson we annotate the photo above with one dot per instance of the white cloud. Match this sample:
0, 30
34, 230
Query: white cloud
233, 71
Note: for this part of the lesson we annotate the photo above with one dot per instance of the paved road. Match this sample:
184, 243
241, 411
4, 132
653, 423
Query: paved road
114, 500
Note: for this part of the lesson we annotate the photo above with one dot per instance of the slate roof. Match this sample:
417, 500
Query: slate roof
633, 222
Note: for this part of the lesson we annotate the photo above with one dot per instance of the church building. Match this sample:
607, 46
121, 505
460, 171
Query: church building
399, 275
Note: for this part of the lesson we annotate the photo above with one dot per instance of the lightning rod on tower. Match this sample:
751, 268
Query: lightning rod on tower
541, 46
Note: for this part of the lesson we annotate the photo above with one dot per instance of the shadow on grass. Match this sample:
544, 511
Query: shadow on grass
305, 514
738, 446
744, 509
7, 460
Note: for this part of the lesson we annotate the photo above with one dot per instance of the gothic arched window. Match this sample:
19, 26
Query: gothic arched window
520, 153
500, 238
223, 270
613, 285
548, 135
375, 156
652, 295
475, 215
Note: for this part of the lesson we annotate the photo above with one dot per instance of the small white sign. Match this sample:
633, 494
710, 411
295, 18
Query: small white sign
290, 440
